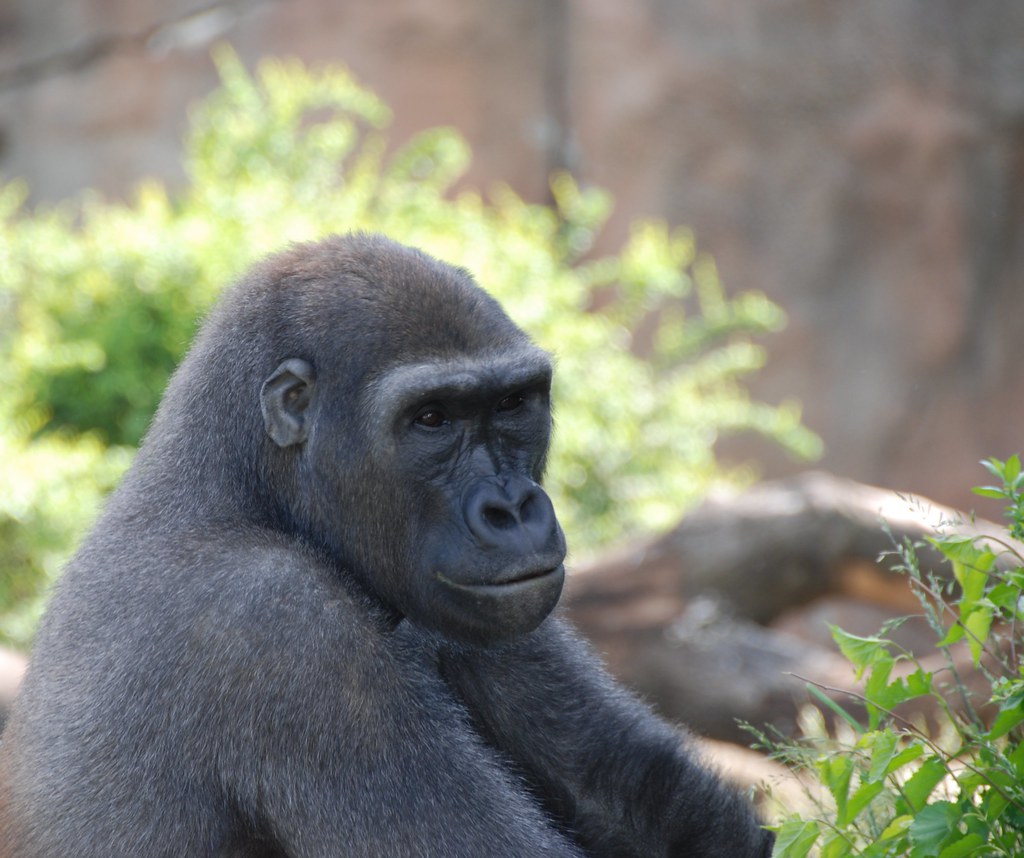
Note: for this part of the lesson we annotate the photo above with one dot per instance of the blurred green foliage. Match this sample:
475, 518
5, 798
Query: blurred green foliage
99, 300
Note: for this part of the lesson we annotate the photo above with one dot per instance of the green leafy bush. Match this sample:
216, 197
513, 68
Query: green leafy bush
50, 491
100, 300
892, 789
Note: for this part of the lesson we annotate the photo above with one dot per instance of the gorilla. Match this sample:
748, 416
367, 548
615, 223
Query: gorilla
315, 619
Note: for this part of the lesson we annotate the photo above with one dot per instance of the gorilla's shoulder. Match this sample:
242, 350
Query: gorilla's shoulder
267, 565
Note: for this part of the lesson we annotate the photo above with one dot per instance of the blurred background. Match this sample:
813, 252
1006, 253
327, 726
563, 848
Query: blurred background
861, 163
761, 236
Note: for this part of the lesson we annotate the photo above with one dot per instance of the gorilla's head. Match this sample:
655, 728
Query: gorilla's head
405, 426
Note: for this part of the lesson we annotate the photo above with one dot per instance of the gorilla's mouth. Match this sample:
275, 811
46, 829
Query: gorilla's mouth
508, 582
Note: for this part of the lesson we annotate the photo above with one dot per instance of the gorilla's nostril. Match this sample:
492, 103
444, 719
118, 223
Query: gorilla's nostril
499, 517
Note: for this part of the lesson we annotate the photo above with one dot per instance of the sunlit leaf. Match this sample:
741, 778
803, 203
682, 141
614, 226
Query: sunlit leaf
795, 838
861, 651
920, 785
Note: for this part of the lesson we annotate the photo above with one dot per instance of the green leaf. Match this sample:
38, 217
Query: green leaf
955, 633
795, 838
995, 467
1016, 757
907, 755
861, 798
921, 784
886, 757
861, 651
1005, 597
995, 806
883, 747
916, 684
966, 845
1002, 779
879, 692
978, 623
835, 773
990, 492
835, 846
931, 827
976, 577
1012, 469
961, 549
1005, 721
897, 827
878, 681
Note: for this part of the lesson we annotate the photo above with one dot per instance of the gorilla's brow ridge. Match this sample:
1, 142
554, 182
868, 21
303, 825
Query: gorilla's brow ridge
406, 384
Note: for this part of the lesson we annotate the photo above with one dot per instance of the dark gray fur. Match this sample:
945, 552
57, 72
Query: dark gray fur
313, 620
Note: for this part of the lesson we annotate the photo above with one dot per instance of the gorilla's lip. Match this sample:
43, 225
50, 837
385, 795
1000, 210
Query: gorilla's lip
511, 582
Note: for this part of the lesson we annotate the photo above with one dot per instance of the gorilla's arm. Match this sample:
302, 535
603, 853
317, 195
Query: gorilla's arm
357, 747
614, 774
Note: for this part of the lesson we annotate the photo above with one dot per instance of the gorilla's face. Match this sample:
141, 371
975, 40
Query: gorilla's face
422, 473
469, 439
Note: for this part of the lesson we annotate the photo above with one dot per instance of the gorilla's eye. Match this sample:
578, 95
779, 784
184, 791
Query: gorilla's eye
432, 418
510, 402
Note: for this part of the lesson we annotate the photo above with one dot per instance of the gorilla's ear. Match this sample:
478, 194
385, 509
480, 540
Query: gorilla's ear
284, 399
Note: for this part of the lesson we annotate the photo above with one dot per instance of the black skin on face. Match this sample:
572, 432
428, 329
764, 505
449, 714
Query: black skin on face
465, 440
316, 618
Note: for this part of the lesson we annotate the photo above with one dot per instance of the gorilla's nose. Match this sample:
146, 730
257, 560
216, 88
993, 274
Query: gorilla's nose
516, 515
